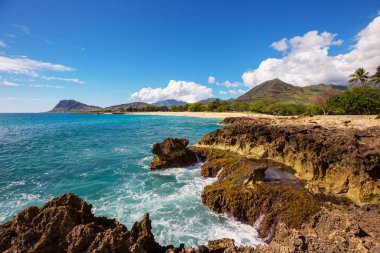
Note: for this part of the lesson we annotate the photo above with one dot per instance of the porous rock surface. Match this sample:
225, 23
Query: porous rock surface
332, 161
333, 229
66, 224
172, 152
242, 192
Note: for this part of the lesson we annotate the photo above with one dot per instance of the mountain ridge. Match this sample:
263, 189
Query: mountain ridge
71, 105
280, 91
169, 102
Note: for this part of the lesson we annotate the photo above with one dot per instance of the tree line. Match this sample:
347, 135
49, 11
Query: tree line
361, 97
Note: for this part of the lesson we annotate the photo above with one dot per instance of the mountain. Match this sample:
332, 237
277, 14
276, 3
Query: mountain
70, 105
281, 91
134, 105
169, 102
208, 100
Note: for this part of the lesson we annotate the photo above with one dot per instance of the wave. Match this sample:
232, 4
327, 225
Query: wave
173, 199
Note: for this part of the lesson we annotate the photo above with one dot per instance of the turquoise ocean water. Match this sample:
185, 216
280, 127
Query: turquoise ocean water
104, 159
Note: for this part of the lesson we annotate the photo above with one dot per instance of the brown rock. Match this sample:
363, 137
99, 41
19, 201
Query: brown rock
66, 224
332, 161
172, 152
222, 245
333, 229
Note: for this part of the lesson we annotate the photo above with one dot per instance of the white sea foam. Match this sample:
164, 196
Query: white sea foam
173, 199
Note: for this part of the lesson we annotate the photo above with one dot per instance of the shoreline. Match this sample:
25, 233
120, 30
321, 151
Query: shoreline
209, 115
329, 121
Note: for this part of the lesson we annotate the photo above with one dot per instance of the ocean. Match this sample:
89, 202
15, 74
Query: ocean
105, 160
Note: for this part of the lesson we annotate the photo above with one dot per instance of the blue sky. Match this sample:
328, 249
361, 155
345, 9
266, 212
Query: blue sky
109, 52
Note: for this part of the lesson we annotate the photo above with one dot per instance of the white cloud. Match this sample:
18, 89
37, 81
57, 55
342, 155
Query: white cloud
280, 45
24, 65
236, 92
180, 90
2, 44
233, 92
73, 80
307, 60
45, 86
211, 79
229, 84
8, 83
12, 98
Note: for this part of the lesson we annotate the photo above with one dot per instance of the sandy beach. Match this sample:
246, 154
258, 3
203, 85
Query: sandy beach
340, 121
211, 115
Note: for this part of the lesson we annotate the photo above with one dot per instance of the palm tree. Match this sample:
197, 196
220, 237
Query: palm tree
360, 75
376, 77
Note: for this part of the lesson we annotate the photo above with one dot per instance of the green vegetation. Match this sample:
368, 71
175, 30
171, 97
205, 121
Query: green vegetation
359, 76
375, 79
276, 97
358, 100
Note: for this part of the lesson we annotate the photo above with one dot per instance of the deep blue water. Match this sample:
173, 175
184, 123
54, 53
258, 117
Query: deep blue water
104, 159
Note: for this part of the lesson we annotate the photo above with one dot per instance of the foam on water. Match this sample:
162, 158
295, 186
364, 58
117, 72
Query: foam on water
172, 197
105, 159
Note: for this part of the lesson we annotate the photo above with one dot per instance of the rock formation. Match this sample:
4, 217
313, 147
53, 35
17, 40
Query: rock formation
331, 162
66, 224
242, 192
333, 206
333, 229
172, 152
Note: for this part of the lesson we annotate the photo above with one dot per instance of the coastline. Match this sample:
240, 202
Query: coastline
335, 121
210, 115
334, 189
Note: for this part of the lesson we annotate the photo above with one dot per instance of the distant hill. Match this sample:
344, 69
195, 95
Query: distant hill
134, 105
280, 91
213, 99
169, 102
70, 105
208, 100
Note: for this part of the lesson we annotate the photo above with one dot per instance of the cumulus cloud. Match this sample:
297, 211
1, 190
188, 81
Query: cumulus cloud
280, 45
180, 90
233, 92
307, 61
26, 66
229, 84
211, 79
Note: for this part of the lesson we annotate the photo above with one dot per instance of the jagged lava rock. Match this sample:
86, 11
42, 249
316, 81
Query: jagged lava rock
242, 192
331, 161
66, 224
337, 229
171, 153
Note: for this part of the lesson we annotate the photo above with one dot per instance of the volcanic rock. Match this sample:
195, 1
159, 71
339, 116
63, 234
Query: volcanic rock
331, 161
172, 152
66, 224
333, 229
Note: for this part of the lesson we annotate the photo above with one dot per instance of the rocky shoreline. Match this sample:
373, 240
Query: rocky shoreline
304, 187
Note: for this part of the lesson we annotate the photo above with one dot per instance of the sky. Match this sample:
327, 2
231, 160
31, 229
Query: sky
111, 52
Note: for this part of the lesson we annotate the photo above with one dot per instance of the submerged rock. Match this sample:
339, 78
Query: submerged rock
66, 224
171, 153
